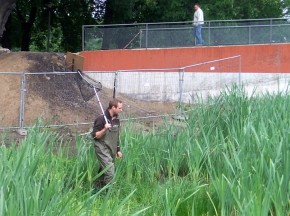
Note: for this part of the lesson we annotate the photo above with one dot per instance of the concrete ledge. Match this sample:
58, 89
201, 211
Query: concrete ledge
156, 86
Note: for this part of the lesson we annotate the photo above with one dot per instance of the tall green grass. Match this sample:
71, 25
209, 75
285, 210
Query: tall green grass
232, 157
40, 177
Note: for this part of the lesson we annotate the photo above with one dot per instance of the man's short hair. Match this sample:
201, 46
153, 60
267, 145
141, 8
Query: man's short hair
114, 103
197, 4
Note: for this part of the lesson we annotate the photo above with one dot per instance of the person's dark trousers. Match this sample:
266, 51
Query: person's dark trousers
106, 160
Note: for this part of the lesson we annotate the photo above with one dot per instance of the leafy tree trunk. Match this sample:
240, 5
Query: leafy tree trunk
6, 39
26, 27
5, 9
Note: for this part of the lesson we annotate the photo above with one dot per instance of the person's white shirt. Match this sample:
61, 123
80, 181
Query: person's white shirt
198, 18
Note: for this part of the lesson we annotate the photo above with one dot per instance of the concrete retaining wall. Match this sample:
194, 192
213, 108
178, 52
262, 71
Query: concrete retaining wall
167, 86
263, 68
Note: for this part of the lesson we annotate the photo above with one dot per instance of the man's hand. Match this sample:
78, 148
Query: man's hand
119, 154
107, 126
102, 132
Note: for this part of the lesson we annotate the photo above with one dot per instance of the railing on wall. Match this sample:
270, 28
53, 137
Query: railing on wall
181, 34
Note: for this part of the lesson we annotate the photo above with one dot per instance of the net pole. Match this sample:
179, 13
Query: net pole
102, 109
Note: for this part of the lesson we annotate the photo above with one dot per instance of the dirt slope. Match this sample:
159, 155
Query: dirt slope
56, 97
10, 86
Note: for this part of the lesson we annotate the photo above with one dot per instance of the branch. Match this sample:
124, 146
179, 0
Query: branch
5, 10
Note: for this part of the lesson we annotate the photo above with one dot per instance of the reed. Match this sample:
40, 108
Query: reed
232, 157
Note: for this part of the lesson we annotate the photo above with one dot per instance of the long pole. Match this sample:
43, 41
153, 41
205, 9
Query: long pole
102, 109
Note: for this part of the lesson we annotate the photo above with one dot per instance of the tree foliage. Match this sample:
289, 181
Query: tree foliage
71, 16
244, 9
30, 19
27, 28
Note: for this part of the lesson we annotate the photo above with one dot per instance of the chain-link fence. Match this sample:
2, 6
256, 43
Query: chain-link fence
178, 84
181, 34
56, 97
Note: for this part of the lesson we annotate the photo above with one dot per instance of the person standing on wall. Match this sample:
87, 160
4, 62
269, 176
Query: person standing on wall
198, 21
106, 142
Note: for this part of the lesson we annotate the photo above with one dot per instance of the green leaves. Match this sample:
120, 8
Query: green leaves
232, 157
235, 144
244, 9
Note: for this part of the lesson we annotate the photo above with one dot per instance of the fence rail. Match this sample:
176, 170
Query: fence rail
180, 34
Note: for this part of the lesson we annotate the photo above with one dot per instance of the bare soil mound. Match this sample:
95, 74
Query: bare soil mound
56, 97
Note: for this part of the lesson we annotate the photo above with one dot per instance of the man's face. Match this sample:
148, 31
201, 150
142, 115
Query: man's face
195, 7
118, 109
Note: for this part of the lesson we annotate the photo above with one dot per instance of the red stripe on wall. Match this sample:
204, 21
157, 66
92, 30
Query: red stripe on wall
271, 58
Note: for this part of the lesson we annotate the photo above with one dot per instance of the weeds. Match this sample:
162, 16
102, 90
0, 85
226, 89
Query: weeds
232, 157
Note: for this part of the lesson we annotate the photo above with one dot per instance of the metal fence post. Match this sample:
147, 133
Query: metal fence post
83, 38
250, 34
22, 101
181, 80
181, 115
209, 33
115, 84
146, 36
271, 31
140, 39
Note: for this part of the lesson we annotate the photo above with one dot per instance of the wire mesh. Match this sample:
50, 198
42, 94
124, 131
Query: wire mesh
88, 86
168, 35
154, 92
86, 89
111, 37
181, 34
135, 91
56, 98
10, 97
209, 78
146, 94
158, 86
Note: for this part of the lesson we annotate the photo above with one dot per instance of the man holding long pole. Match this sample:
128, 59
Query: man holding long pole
106, 136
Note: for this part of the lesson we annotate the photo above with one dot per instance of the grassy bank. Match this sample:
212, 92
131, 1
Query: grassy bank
232, 157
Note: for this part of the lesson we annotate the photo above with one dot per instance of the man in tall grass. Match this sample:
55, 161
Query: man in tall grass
106, 137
